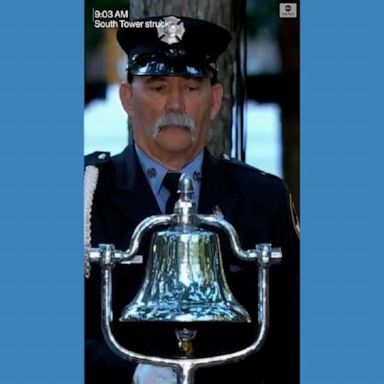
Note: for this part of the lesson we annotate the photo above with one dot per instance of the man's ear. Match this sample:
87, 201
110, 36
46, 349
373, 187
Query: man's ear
126, 97
217, 98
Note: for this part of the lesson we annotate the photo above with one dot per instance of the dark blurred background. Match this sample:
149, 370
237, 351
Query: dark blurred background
260, 119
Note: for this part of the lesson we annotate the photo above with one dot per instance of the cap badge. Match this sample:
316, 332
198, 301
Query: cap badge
171, 30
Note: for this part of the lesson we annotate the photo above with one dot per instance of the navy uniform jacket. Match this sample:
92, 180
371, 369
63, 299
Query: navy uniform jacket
257, 205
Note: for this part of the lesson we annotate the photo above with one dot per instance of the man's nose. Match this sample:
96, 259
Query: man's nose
175, 100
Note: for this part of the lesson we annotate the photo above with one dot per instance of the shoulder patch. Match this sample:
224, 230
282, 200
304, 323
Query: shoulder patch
97, 158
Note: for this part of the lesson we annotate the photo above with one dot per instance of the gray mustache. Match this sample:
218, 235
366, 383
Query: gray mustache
179, 119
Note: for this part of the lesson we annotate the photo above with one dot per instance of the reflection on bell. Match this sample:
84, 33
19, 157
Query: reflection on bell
185, 281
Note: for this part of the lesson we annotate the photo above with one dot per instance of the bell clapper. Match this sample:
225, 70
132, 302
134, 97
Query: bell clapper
185, 337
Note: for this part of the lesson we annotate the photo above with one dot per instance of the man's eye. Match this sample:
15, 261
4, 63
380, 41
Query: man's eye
157, 88
192, 88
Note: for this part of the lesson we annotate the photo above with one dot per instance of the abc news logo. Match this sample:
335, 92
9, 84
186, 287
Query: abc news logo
288, 10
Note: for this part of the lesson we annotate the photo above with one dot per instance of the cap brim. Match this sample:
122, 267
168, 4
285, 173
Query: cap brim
156, 68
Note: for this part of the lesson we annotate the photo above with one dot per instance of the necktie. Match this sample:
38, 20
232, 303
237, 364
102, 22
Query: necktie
171, 182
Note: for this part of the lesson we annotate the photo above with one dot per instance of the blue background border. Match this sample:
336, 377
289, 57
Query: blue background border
41, 120
342, 200
41, 332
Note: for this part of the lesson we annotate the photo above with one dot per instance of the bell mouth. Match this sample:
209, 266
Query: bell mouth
220, 312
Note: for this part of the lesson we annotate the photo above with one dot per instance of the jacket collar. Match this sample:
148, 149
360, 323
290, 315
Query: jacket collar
133, 194
127, 169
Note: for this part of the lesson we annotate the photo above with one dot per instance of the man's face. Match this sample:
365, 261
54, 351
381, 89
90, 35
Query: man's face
171, 115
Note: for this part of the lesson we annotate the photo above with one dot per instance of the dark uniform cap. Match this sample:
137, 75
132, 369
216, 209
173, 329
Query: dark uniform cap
173, 46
